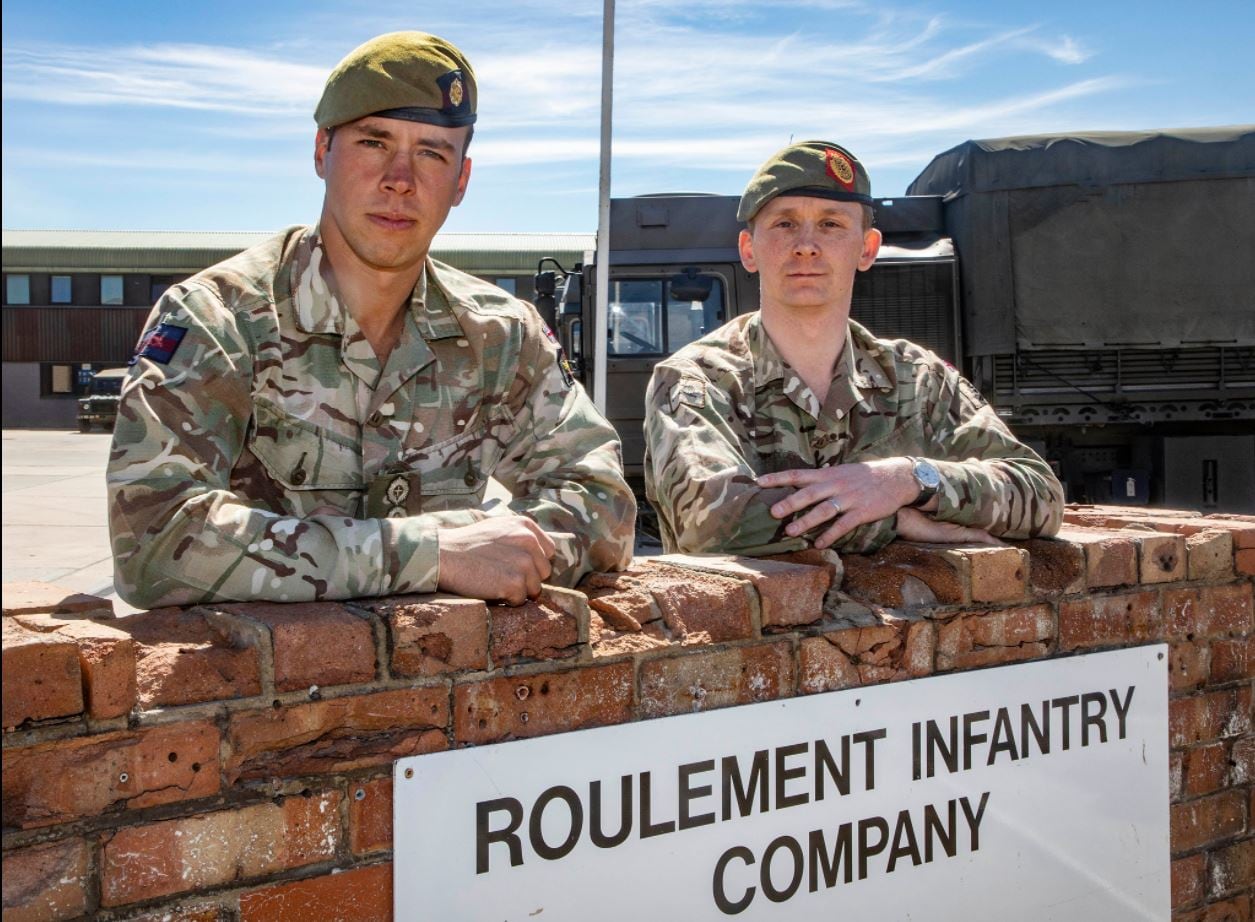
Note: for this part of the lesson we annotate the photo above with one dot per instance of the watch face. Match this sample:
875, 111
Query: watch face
928, 476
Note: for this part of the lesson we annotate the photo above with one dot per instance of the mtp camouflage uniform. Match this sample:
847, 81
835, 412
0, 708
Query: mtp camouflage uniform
727, 408
262, 451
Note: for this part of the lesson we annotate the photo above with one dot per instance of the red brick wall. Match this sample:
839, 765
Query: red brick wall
232, 762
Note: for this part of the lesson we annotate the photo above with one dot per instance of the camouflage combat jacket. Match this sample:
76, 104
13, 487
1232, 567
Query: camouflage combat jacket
262, 452
727, 408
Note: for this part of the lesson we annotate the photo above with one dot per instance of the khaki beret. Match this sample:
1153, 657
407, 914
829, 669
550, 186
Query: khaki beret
409, 75
812, 168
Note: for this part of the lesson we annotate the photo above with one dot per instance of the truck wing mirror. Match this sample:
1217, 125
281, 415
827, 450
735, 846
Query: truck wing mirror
691, 285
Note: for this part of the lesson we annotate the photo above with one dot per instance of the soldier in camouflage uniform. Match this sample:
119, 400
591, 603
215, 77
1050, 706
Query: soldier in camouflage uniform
317, 418
794, 426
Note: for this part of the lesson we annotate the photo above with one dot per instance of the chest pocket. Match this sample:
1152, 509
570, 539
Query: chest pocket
302, 456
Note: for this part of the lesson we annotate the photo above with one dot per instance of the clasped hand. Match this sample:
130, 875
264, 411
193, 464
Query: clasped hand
850, 495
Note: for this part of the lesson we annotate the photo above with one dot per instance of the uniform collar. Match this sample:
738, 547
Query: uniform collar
860, 369
319, 308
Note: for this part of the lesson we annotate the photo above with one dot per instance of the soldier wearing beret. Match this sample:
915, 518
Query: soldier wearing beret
317, 417
794, 426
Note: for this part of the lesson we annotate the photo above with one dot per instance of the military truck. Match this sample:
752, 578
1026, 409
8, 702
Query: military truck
100, 406
1098, 288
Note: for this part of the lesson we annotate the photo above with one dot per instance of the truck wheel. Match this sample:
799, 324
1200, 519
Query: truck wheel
84, 425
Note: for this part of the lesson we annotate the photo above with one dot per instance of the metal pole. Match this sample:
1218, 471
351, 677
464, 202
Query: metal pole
602, 307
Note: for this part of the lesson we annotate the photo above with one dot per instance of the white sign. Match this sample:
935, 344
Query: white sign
1029, 792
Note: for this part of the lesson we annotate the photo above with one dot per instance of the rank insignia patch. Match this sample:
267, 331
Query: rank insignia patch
840, 168
159, 344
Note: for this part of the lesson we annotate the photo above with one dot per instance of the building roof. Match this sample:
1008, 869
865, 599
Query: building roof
172, 252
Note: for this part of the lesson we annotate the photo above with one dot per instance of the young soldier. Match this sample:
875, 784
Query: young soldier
317, 417
795, 426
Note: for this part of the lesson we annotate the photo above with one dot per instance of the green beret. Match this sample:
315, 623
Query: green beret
409, 75
814, 168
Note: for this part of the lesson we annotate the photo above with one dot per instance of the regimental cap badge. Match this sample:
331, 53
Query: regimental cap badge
456, 91
840, 168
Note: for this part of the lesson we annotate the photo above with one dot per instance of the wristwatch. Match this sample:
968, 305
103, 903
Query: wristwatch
927, 477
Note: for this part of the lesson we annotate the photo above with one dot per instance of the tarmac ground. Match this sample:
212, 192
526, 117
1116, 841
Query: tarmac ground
54, 517
55, 514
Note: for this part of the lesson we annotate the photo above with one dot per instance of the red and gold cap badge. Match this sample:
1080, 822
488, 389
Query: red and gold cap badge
840, 168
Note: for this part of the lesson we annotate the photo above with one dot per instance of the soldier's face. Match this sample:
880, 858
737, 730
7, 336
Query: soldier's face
806, 251
390, 185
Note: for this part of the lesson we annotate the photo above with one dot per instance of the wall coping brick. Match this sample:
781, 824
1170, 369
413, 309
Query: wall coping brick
292, 715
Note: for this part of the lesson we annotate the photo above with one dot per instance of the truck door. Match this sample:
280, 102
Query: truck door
653, 311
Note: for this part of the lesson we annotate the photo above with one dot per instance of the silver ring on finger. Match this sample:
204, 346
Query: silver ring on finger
836, 506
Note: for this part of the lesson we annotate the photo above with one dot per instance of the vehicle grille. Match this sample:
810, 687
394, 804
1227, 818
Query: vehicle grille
909, 302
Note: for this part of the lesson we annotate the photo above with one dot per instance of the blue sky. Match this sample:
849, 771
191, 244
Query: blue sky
187, 116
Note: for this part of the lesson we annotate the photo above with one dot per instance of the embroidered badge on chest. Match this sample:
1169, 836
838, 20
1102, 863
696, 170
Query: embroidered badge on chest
159, 343
398, 491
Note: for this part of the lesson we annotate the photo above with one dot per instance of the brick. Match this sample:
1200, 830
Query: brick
894, 650
1205, 769
47, 882
905, 575
1208, 611
998, 574
314, 643
816, 557
717, 678
1232, 660
198, 852
823, 666
1116, 620
1244, 561
106, 659
789, 594
35, 598
1176, 775
1207, 820
694, 603
1242, 527
1231, 869
41, 676
1056, 567
435, 634
58, 781
358, 895
606, 641
1209, 555
337, 735
1189, 665
515, 707
1207, 717
186, 656
1110, 559
533, 630
1189, 880
370, 815
1237, 909
1242, 771
987, 638
1161, 558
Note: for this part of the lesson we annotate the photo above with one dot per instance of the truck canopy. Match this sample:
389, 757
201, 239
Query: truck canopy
1133, 239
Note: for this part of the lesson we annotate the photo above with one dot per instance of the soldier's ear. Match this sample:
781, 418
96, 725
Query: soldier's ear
745, 246
322, 144
871, 246
463, 179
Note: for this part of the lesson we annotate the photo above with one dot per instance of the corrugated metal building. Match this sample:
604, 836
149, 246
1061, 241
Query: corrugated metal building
76, 301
